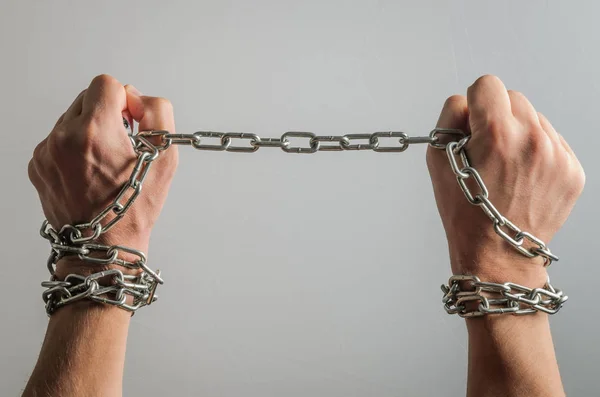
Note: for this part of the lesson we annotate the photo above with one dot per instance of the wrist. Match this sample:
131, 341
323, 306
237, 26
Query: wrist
495, 261
89, 308
73, 264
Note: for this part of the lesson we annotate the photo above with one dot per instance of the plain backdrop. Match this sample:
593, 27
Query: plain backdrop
291, 275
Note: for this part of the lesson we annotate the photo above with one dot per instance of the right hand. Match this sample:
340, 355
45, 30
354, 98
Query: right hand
85, 161
532, 175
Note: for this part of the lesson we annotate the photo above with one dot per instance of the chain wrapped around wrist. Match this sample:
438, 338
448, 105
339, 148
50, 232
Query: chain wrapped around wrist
495, 298
81, 239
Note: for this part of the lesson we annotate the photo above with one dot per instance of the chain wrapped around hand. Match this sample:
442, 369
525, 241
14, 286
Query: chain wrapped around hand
81, 240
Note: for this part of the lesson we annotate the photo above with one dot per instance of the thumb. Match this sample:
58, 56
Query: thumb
153, 113
488, 103
454, 116
135, 104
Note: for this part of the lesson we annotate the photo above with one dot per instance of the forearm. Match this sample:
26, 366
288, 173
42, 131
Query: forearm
84, 350
83, 353
512, 356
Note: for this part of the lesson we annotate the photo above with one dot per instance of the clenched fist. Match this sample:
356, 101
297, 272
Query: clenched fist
532, 175
82, 165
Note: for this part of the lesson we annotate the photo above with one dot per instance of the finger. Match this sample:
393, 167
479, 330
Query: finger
156, 114
554, 135
522, 109
75, 108
489, 104
105, 93
455, 113
135, 104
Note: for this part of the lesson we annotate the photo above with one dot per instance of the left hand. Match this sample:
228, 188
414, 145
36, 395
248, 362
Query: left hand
87, 158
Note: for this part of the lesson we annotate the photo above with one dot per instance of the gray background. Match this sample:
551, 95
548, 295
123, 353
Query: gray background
297, 275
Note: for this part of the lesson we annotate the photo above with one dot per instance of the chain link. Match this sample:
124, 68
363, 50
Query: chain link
494, 298
81, 239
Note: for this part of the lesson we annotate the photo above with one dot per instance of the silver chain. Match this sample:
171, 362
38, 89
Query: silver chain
80, 239
118, 288
457, 149
494, 298
225, 141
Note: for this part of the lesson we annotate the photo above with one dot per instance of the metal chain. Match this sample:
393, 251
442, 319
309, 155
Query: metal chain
225, 141
118, 288
80, 239
494, 298
481, 198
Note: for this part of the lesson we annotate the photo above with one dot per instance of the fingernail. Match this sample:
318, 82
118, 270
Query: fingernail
133, 90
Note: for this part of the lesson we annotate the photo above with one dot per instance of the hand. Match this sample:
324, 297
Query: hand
532, 175
82, 165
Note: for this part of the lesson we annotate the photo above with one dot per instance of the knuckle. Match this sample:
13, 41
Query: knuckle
578, 179
37, 152
104, 80
500, 137
487, 79
455, 102
515, 94
31, 172
499, 145
54, 146
539, 143
160, 103
498, 129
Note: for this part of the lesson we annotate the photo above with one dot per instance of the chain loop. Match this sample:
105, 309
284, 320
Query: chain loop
373, 142
448, 133
402, 139
341, 140
472, 172
313, 144
201, 135
227, 138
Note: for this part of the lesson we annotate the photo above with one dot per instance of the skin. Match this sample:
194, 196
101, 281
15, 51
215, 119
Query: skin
532, 175
534, 179
91, 134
